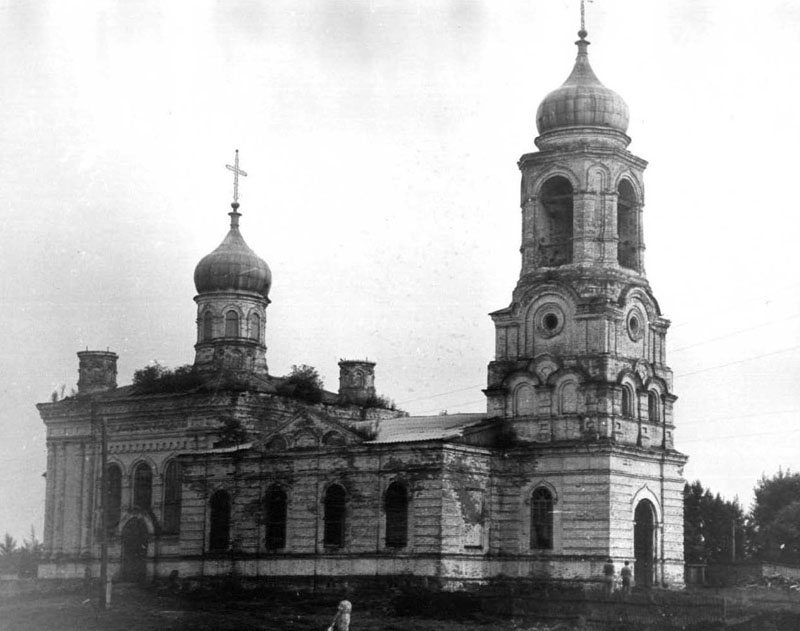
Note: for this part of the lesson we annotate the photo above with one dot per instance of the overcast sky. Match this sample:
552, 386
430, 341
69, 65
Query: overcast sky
380, 140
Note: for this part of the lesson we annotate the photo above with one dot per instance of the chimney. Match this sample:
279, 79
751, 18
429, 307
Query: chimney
97, 371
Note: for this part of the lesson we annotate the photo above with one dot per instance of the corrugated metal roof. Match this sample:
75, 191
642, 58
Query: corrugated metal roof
418, 428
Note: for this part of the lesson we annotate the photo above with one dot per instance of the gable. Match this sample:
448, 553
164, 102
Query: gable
309, 430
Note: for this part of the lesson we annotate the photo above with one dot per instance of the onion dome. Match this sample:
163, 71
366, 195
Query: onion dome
582, 101
233, 266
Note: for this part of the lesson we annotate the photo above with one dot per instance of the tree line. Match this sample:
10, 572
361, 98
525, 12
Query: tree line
20, 559
717, 530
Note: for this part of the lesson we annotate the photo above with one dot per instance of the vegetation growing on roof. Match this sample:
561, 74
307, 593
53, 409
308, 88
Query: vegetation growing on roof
380, 401
304, 383
231, 433
157, 379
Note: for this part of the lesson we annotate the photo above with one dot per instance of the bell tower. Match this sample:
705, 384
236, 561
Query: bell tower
579, 377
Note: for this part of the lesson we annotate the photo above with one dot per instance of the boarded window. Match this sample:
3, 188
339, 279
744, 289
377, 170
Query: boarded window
255, 326
219, 536
396, 505
208, 326
143, 486
231, 324
113, 503
569, 398
172, 498
542, 519
523, 400
334, 516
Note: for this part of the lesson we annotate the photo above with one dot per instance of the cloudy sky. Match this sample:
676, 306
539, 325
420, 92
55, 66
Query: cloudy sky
381, 140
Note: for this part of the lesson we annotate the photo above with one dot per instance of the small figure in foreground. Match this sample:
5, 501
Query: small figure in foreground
626, 573
608, 576
341, 621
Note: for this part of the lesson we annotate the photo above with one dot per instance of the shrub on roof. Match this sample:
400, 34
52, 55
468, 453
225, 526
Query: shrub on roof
155, 379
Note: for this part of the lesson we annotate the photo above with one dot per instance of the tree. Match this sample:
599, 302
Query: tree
303, 382
713, 529
775, 518
8, 546
29, 555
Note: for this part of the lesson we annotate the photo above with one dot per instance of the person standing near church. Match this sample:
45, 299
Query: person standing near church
608, 576
626, 573
341, 621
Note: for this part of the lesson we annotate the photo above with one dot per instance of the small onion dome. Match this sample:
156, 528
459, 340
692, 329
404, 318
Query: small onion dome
233, 266
582, 101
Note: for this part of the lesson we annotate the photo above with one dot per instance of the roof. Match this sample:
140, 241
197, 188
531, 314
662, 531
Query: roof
420, 428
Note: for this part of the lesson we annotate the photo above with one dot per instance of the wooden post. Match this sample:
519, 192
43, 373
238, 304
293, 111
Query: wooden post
105, 582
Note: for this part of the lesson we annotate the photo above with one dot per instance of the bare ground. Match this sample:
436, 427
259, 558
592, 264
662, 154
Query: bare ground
142, 609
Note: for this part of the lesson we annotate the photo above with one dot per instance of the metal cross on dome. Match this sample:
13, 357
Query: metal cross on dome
236, 173
583, 14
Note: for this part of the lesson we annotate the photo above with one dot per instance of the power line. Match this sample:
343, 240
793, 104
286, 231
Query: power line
433, 410
697, 440
738, 361
734, 418
727, 335
775, 292
441, 394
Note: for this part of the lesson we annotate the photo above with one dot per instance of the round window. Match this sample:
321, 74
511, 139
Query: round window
635, 325
549, 320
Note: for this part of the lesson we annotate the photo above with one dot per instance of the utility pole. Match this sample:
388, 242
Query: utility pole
105, 583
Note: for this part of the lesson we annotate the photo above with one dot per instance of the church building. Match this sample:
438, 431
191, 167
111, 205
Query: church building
225, 469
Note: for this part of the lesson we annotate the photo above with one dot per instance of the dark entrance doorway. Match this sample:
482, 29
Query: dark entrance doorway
644, 543
134, 551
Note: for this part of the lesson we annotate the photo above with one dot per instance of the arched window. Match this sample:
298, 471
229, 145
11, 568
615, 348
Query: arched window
524, 400
554, 222
334, 516
231, 324
396, 506
627, 226
142, 486
542, 519
653, 407
113, 499
568, 398
172, 498
255, 326
219, 536
275, 504
333, 439
357, 379
627, 402
277, 444
208, 326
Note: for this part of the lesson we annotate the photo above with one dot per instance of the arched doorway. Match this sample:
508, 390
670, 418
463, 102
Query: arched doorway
134, 551
644, 543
